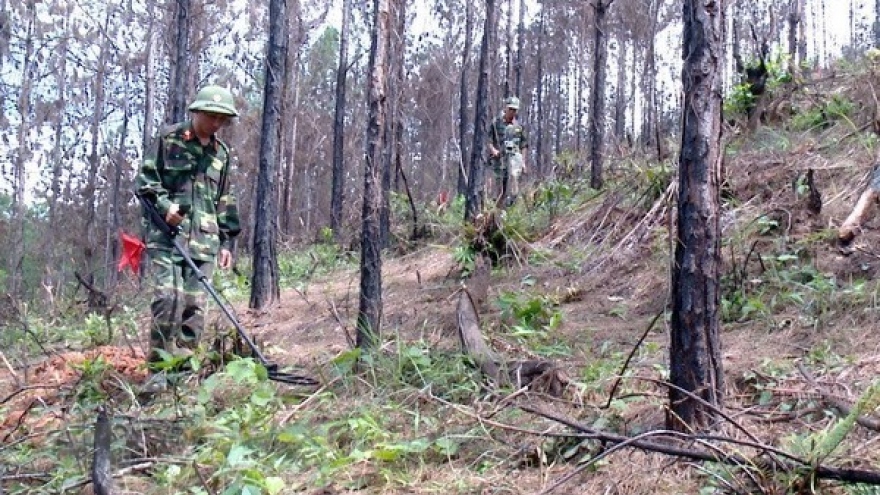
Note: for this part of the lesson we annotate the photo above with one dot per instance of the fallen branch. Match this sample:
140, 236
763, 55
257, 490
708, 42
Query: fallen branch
24, 389
844, 408
791, 463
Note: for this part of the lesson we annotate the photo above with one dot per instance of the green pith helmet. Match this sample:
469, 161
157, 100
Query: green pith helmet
511, 102
214, 99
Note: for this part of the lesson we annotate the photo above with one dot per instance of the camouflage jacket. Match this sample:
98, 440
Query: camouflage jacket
508, 138
178, 169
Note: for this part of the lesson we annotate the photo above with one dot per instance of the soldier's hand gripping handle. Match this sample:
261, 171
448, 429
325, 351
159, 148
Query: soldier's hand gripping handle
156, 217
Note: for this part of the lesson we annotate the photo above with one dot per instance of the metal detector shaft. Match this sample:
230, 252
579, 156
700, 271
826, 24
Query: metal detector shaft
171, 232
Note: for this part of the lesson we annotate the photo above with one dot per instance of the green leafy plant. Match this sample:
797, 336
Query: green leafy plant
534, 312
465, 258
838, 107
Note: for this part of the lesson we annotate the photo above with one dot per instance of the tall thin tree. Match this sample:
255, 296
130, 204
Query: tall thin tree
180, 66
337, 193
597, 106
876, 25
394, 91
463, 89
265, 287
520, 43
22, 155
370, 304
90, 226
795, 16
508, 49
695, 349
481, 114
539, 127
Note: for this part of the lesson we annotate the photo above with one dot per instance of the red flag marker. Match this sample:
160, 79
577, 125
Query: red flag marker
132, 248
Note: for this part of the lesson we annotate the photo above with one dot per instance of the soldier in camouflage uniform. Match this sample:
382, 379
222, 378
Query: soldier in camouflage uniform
507, 140
186, 175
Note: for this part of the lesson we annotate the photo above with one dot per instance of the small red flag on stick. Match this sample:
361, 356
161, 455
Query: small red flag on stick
132, 248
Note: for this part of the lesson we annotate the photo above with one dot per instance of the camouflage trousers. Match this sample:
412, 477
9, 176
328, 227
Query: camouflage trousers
507, 172
178, 303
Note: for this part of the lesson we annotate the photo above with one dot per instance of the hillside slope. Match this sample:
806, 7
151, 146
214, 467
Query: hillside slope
588, 280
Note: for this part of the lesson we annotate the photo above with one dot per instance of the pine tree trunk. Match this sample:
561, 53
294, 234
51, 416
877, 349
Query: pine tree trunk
180, 66
508, 50
597, 107
394, 84
520, 42
463, 88
116, 203
90, 246
794, 19
481, 113
695, 348
149, 85
370, 305
876, 25
337, 193
579, 114
52, 276
650, 131
539, 127
561, 96
265, 287
620, 96
22, 156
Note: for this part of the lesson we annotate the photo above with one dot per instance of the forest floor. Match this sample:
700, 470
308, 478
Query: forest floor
581, 293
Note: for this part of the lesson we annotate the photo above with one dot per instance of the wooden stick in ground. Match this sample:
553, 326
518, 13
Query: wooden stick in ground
102, 480
843, 407
472, 342
629, 358
11, 369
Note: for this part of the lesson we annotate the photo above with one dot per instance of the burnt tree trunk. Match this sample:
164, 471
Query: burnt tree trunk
695, 349
579, 113
265, 286
90, 244
508, 49
620, 94
520, 42
795, 13
102, 478
149, 76
370, 304
180, 67
597, 106
394, 97
22, 155
463, 88
539, 127
337, 192
475, 175
651, 125
876, 24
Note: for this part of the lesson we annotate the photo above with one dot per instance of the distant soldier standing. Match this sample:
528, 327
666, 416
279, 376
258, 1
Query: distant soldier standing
507, 140
186, 175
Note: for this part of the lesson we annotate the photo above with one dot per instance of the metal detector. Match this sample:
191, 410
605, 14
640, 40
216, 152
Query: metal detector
274, 373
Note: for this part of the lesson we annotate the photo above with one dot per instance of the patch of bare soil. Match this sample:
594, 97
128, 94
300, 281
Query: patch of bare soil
50, 383
317, 322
